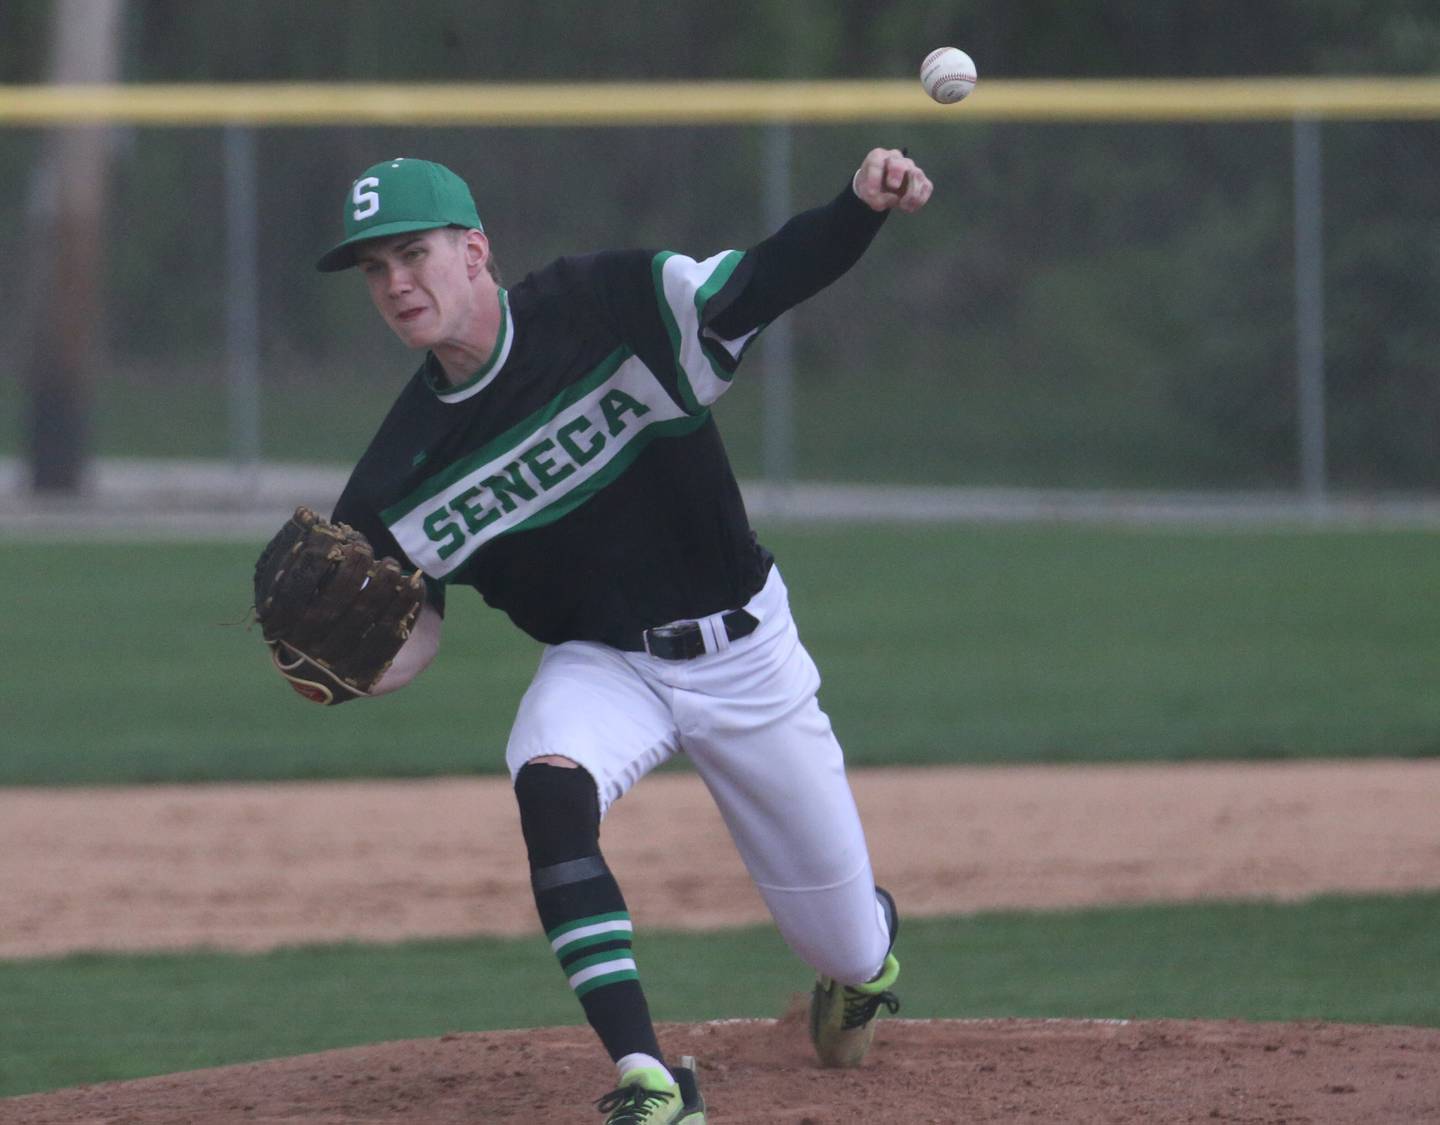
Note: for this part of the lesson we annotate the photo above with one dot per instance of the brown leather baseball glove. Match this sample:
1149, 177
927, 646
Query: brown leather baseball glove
333, 615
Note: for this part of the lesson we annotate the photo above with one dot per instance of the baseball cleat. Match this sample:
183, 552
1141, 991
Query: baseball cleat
842, 1016
690, 1092
648, 1096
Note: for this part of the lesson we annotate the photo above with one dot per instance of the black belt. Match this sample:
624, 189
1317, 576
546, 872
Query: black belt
686, 640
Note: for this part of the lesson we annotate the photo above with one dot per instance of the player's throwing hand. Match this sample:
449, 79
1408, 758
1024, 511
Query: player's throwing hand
887, 179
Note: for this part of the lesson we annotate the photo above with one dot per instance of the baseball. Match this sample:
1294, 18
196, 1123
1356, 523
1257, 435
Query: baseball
948, 74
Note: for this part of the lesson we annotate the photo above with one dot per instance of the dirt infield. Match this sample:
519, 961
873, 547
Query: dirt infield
756, 1073
256, 866
253, 867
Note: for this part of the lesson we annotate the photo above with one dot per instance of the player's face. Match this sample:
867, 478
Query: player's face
421, 285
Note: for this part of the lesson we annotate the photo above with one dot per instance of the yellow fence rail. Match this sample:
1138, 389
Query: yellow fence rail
717, 103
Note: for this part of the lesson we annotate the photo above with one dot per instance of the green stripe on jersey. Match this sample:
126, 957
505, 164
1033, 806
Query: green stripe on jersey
672, 329
541, 469
515, 435
683, 287
498, 353
622, 461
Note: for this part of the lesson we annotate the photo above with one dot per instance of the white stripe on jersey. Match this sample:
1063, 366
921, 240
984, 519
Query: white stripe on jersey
688, 285
504, 342
538, 474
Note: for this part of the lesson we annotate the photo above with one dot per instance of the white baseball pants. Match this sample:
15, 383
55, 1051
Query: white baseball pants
747, 716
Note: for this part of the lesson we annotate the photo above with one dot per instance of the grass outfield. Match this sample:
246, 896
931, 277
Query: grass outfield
92, 1018
938, 644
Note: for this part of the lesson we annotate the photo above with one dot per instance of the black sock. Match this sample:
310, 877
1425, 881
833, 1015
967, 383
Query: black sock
581, 907
590, 932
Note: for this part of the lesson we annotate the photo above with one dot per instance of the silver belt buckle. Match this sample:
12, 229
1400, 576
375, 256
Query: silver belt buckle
671, 629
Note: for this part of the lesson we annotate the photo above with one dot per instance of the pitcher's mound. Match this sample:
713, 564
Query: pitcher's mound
755, 1071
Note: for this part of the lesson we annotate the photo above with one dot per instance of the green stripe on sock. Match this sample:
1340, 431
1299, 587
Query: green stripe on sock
593, 920
572, 947
609, 978
598, 959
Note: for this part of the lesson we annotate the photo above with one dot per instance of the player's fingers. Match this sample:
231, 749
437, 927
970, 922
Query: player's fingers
870, 179
884, 178
897, 168
917, 192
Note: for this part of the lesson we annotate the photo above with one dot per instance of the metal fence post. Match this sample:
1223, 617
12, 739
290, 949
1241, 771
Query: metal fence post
777, 433
1310, 311
242, 308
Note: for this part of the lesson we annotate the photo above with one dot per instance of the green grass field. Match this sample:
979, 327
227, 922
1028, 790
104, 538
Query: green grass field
941, 644
1102, 431
93, 1018
963, 644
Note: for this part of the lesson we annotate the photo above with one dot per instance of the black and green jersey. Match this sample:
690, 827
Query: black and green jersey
578, 480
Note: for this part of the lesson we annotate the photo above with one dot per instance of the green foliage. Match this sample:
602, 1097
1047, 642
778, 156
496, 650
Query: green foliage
173, 40
1384, 397
1158, 256
938, 645
100, 1017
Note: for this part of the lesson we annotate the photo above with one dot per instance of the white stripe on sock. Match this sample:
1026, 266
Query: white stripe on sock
602, 969
618, 926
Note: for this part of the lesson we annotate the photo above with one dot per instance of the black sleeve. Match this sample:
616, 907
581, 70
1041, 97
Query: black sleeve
350, 509
808, 253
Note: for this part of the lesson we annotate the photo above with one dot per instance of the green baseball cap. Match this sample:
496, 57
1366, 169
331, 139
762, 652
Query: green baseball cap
396, 196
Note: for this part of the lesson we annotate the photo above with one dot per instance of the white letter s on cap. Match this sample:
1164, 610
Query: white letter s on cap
366, 202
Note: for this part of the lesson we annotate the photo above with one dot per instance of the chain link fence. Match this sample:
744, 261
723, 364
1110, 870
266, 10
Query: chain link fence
1083, 305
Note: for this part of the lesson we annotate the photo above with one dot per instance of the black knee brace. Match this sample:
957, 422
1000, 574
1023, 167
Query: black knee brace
559, 813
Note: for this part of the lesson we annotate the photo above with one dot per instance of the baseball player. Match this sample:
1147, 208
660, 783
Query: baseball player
556, 452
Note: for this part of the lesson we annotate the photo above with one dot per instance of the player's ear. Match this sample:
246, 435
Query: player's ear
477, 253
